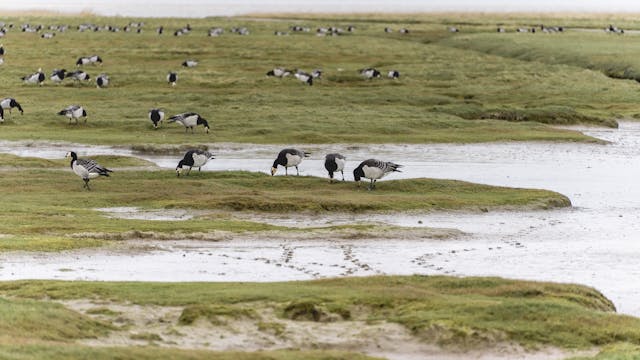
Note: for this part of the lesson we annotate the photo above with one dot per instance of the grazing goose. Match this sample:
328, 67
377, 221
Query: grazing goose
369, 73
48, 35
403, 31
190, 63
304, 77
35, 78
79, 76
279, 72
58, 75
160, 30
10, 103
156, 116
216, 31
74, 112
289, 158
193, 158
172, 78
316, 74
190, 120
388, 30
102, 81
393, 74
373, 169
334, 163
87, 169
93, 59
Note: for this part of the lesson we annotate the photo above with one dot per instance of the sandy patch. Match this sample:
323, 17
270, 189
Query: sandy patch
143, 325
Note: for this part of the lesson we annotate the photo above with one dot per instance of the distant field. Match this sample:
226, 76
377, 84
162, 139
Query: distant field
450, 89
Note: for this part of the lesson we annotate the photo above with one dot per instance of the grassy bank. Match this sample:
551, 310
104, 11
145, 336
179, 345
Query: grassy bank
456, 312
445, 94
38, 218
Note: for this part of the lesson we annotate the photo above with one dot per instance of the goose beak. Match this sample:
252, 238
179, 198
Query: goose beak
273, 171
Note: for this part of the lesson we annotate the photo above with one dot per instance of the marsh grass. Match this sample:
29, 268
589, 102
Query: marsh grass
36, 218
459, 312
229, 86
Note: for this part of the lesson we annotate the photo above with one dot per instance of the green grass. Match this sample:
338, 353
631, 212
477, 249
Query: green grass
449, 311
24, 352
623, 351
36, 218
437, 99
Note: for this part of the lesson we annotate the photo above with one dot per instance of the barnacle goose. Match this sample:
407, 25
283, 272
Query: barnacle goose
289, 158
102, 80
334, 163
193, 158
35, 78
93, 59
87, 169
393, 74
190, 120
369, 73
373, 169
279, 72
172, 78
57, 75
10, 103
189, 63
79, 76
156, 116
316, 74
304, 77
74, 112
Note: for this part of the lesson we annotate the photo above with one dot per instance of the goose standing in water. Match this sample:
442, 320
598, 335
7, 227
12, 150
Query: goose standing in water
87, 169
193, 158
289, 158
334, 163
374, 169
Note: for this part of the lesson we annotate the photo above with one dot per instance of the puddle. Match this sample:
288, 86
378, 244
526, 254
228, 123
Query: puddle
595, 243
134, 213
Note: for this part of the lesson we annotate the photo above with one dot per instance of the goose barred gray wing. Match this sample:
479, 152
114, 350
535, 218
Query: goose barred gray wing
374, 169
93, 167
87, 169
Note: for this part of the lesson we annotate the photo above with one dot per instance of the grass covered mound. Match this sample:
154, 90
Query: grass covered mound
71, 209
448, 311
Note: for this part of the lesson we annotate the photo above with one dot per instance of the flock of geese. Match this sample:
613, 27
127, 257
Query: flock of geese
88, 169
371, 169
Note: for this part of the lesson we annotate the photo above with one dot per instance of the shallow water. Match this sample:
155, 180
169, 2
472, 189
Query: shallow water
596, 243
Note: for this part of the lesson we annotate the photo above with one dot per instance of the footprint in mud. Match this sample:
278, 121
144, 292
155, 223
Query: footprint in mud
347, 251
